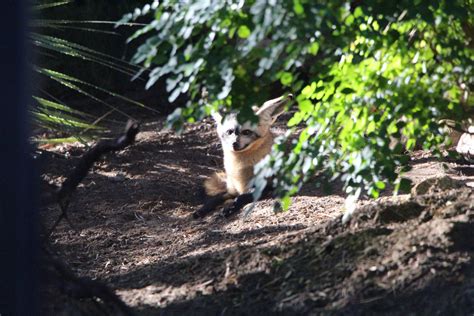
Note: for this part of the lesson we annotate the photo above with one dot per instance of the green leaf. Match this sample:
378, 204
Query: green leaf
286, 78
349, 20
305, 106
285, 203
374, 193
380, 185
347, 90
358, 12
296, 119
308, 91
297, 7
243, 31
411, 142
313, 48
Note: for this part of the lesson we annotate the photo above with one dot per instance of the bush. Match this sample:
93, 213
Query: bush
366, 73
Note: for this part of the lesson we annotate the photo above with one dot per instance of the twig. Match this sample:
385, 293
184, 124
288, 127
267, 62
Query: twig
86, 162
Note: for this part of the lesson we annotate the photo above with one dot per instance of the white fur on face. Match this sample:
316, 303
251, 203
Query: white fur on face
235, 136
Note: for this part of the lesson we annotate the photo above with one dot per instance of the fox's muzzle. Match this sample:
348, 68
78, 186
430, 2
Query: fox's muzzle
236, 146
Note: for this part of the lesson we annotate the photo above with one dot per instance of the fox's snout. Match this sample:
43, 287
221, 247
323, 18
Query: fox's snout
240, 143
236, 146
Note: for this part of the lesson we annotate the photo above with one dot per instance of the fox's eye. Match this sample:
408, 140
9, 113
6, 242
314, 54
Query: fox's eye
229, 132
246, 132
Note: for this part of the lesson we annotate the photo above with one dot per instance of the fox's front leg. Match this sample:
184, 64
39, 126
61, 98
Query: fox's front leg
239, 202
244, 199
211, 204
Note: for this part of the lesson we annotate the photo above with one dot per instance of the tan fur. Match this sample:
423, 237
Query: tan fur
239, 168
216, 184
239, 165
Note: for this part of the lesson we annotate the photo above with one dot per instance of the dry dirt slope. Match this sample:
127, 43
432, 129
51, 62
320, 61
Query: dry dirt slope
134, 230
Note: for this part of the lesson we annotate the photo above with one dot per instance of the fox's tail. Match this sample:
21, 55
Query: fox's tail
216, 184
216, 191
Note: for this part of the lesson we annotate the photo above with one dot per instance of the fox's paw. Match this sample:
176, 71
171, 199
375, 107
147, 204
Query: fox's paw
203, 212
199, 214
230, 210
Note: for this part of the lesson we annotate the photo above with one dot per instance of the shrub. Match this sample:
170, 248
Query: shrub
365, 72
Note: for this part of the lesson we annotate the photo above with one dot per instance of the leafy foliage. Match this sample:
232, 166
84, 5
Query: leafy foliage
367, 74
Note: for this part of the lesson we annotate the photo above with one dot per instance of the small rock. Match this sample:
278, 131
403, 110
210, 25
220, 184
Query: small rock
466, 145
436, 184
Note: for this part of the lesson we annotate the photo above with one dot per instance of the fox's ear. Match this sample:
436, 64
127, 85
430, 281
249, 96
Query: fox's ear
217, 116
271, 109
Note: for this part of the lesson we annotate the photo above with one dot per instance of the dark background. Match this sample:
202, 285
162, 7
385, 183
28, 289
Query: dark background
18, 281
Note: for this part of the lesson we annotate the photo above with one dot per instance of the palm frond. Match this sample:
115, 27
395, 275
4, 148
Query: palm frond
70, 82
62, 140
50, 112
114, 23
43, 6
65, 47
102, 118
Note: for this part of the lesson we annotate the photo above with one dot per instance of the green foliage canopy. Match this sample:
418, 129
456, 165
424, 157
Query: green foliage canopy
365, 73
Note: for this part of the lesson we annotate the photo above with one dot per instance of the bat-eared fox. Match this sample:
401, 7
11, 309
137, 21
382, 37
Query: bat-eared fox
244, 145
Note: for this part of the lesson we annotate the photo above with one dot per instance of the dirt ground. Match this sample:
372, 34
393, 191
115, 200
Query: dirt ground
133, 229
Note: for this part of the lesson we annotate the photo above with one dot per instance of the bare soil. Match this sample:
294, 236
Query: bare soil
133, 229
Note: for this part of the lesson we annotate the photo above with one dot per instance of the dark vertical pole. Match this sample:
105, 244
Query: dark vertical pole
18, 246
